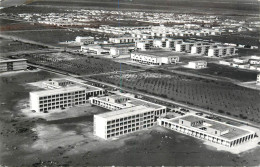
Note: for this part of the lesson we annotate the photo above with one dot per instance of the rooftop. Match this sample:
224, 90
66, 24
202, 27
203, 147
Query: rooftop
11, 60
157, 53
58, 91
234, 132
125, 112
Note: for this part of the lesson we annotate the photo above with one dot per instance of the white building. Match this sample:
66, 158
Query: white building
85, 40
117, 123
197, 64
62, 97
208, 129
117, 51
94, 49
200, 49
122, 40
221, 51
159, 43
171, 43
240, 60
12, 64
128, 115
143, 45
258, 79
118, 102
153, 58
184, 47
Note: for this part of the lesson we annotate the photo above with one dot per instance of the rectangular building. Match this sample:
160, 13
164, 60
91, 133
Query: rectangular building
184, 47
143, 45
154, 58
84, 40
12, 64
117, 51
197, 64
124, 121
207, 129
118, 102
221, 51
69, 96
200, 49
122, 40
258, 79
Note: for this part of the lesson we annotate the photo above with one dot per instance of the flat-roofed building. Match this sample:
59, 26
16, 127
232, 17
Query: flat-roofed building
94, 49
143, 45
57, 83
62, 96
159, 43
154, 58
171, 43
184, 47
122, 40
258, 79
84, 40
197, 64
117, 51
208, 129
200, 49
12, 64
124, 121
221, 51
118, 102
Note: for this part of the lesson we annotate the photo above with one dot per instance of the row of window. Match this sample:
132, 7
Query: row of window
118, 133
60, 101
129, 123
133, 117
52, 107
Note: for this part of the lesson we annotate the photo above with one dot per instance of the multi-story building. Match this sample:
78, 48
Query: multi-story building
118, 102
143, 45
200, 49
85, 40
159, 43
116, 51
62, 97
122, 40
153, 58
221, 51
258, 79
120, 122
184, 47
128, 115
171, 43
208, 129
197, 64
12, 64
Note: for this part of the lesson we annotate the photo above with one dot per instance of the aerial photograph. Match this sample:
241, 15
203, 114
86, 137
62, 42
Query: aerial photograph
129, 83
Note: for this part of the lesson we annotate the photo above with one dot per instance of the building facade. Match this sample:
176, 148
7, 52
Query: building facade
221, 51
258, 79
47, 100
84, 40
124, 121
197, 64
207, 129
13, 65
122, 40
152, 59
